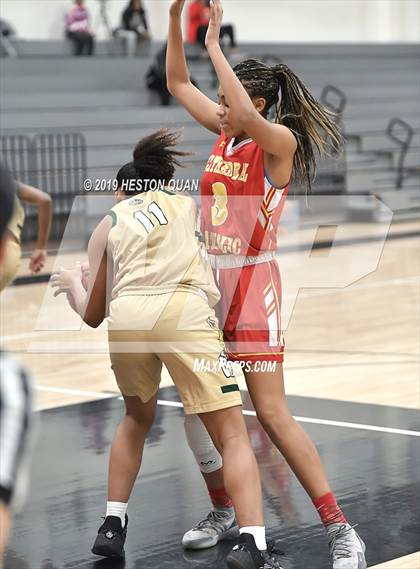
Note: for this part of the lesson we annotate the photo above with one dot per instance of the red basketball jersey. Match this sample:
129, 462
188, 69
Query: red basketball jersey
240, 207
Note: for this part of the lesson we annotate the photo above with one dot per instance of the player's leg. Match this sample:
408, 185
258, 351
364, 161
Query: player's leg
214, 394
138, 377
242, 481
228, 431
267, 393
268, 396
5, 523
127, 447
124, 465
220, 522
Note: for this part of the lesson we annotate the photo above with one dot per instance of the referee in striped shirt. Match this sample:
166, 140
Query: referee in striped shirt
16, 409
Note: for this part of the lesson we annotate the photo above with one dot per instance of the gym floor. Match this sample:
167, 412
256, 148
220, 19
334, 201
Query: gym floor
352, 376
373, 468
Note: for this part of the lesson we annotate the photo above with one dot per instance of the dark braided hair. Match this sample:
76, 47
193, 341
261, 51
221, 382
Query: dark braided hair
312, 124
154, 158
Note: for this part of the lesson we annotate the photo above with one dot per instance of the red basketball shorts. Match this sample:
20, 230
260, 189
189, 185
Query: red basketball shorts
249, 312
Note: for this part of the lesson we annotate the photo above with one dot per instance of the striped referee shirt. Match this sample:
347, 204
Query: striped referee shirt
16, 427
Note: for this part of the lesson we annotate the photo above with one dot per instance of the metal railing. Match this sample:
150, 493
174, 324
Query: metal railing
402, 133
55, 163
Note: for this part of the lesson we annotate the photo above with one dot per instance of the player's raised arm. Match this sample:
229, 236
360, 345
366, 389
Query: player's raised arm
273, 138
195, 102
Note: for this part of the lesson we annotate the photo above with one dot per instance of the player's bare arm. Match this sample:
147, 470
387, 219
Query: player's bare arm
276, 140
179, 84
43, 202
90, 304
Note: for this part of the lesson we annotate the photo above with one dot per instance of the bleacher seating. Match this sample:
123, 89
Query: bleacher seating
105, 99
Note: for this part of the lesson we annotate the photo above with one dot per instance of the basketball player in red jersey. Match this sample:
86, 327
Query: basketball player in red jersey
243, 191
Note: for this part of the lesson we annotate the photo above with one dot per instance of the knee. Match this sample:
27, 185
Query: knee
139, 419
139, 422
275, 419
201, 444
234, 441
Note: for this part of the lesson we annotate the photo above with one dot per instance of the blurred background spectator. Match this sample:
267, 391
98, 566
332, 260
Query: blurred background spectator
7, 31
134, 26
198, 22
78, 29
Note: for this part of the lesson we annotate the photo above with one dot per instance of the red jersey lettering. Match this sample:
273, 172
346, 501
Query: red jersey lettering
240, 207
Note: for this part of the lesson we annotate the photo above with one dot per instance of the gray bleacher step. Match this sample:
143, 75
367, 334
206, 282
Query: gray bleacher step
141, 97
376, 125
374, 181
63, 48
77, 119
102, 137
51, 101
155, 115
135, 80
81, 66
362, 182
412, 158
380, 140
404, 205
381, 55
120, 155
379, 159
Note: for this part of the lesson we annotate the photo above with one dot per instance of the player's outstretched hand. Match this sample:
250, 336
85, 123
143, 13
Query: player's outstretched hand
176, 8
216, 18
63, 280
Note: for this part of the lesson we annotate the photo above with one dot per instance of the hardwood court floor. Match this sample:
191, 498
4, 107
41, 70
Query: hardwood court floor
352, 362
359, 343
407, 562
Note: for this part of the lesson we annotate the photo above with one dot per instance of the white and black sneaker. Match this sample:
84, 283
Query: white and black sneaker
347, 549
111, 538
220, 524
246, 555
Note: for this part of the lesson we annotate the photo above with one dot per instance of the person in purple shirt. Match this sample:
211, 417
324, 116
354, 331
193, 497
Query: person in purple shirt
78, 29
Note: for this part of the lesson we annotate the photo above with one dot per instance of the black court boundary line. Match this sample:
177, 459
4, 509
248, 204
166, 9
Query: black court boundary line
38, 279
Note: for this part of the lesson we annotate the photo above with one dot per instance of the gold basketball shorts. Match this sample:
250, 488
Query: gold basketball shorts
177, 329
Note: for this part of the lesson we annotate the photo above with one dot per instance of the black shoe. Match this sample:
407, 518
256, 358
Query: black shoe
111, 538
246, 555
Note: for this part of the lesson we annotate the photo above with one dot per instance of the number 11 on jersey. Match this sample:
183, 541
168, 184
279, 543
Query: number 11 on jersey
154, 209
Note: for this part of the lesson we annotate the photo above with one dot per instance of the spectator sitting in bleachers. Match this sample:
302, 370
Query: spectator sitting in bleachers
134, 26
198, 22
6, 32
78, 29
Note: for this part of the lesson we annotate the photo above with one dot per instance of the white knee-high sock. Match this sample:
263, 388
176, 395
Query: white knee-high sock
117, 509
258, 532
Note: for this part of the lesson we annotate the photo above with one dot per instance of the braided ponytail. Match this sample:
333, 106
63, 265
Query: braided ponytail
295, 107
